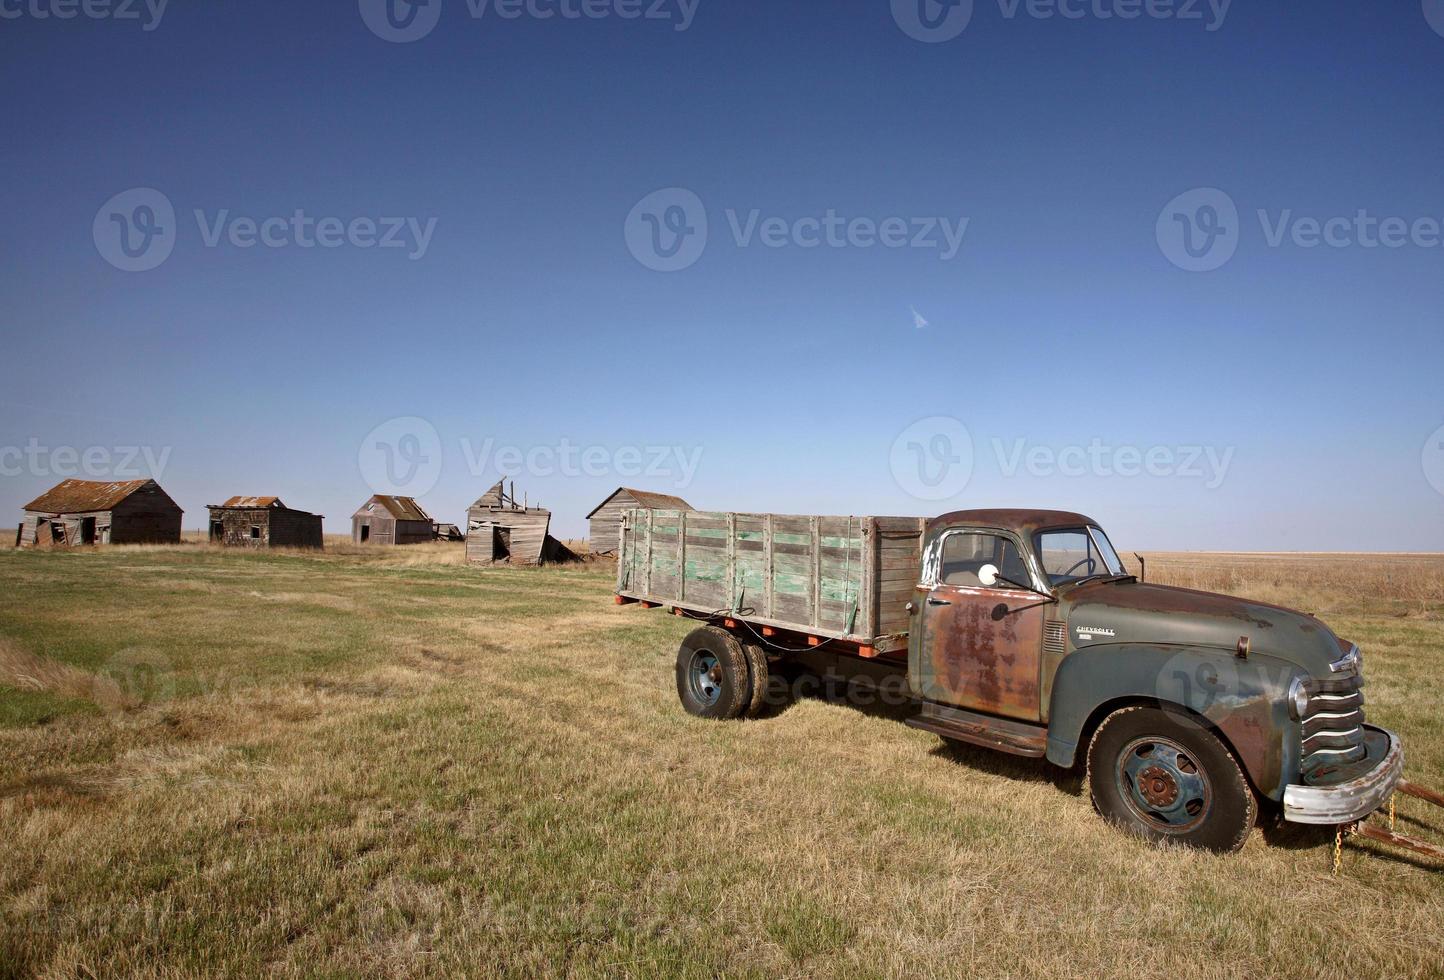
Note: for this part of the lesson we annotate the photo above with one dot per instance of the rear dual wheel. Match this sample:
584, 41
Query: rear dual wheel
720, 677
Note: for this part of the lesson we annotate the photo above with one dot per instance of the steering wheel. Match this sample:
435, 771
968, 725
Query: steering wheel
1090, 562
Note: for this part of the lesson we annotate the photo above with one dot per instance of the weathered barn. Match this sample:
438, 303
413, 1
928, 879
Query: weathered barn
81, 512
606, 520
263, 522
501, 530
391, 520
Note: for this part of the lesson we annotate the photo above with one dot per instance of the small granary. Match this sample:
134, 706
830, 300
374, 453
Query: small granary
81, 512
606, 520
501, 530
392, 520
263, 522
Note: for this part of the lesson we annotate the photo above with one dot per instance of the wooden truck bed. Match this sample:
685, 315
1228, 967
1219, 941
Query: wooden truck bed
841, 578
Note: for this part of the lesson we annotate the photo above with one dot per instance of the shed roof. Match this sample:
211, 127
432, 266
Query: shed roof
401, 508
80, 496
646, 498
252, 503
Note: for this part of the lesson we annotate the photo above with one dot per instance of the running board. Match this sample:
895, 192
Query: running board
1003, 734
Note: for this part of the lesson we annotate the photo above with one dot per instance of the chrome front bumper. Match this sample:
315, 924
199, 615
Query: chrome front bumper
1349, 801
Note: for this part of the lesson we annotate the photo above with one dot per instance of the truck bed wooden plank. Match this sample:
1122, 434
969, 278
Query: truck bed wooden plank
828, 576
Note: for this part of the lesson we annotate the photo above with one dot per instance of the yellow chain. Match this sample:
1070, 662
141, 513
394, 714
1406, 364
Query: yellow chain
1392, 797
1338, 849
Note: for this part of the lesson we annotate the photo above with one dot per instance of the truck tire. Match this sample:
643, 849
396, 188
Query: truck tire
1165, 777
712, 676
758, 676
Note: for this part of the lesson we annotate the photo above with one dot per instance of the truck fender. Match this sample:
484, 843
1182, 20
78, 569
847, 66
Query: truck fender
1244, 699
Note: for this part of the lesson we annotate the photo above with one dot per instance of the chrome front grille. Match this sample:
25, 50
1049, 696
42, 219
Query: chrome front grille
1333, 724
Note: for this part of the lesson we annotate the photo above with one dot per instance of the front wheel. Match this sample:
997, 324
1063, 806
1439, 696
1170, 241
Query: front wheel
1165, 777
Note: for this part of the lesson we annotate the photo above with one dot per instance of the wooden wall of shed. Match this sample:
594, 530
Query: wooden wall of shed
146, 518
414, 532
604, 536
279, 528
383, 528
528, 532
31, 536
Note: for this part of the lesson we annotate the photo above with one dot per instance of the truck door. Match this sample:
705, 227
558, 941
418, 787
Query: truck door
977, 648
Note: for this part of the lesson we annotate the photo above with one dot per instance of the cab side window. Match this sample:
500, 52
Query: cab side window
965, 553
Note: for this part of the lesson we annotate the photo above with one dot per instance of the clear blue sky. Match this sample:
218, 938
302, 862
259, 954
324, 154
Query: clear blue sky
1060, 322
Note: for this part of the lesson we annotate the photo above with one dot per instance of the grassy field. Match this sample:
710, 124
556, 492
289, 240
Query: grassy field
381, 761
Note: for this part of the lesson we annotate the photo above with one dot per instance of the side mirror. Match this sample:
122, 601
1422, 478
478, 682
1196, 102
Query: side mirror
988, 575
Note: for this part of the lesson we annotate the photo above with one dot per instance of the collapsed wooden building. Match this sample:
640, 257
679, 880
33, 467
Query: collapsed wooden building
392, 520
606, 520
83, 512
499, 530
263, 522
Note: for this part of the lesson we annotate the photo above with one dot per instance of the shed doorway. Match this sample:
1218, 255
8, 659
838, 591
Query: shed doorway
500, 543
365, 533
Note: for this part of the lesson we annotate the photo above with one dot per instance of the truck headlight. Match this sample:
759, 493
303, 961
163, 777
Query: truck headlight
1298, 699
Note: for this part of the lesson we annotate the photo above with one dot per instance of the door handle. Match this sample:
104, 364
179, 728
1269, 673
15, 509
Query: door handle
938, 602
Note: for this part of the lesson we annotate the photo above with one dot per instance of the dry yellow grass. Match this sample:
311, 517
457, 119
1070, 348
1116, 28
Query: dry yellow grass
376, 761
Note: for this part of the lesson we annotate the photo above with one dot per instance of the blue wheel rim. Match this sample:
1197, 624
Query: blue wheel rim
1164, 785
704, 677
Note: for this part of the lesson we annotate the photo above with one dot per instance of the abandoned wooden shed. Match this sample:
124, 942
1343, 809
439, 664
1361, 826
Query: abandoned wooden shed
82, 512
447, 532
501, 530
391, 520
263, 522
606, 519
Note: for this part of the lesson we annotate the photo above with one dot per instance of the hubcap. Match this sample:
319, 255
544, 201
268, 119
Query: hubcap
704, 677
1163, 785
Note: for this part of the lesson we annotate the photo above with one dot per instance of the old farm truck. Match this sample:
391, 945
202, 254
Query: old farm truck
1024, 632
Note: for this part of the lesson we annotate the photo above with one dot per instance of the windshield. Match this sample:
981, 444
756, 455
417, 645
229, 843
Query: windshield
1077, 553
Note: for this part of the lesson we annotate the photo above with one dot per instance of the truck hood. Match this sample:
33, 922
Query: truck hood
1134, 612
